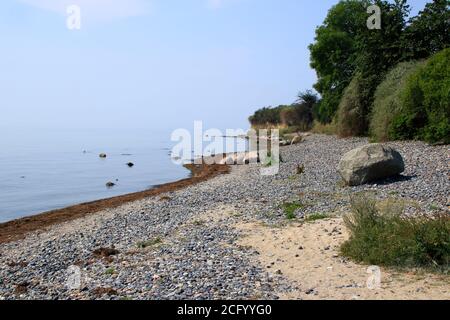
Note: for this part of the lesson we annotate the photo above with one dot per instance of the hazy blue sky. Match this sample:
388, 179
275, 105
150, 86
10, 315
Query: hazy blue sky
158, 63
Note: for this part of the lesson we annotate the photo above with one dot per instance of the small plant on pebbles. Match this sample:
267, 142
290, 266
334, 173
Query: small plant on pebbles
110, 271
434, 207
300, 169
198, 223
149, 243
290, 208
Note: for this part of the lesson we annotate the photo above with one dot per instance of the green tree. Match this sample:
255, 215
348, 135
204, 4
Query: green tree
377, 52
428, 32
307, 98
334, 53
267, 116
303, 108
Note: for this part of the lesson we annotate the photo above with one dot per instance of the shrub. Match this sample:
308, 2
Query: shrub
389, 237
387, 103
110, 271
304, 117
267, 116
288, 116
350, 115
425, 102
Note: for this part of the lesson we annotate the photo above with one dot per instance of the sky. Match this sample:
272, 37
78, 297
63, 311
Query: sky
153, 63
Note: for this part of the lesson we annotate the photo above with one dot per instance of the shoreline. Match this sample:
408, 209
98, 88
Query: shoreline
183, 244
19, 228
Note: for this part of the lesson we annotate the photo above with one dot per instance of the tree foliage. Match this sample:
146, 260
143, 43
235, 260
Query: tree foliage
378, 52
267, 116
334, 52
352, 60
429, 32
298, 114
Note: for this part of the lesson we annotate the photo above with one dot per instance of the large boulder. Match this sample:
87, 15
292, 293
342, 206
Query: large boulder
296, 140
370, 163
241, 158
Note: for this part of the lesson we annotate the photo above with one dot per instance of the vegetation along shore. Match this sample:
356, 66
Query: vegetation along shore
269, 236
359, 208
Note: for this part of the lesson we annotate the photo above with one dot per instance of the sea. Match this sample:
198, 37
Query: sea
43, 169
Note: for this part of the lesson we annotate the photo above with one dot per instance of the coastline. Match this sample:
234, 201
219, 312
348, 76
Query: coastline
18, 229
229, 237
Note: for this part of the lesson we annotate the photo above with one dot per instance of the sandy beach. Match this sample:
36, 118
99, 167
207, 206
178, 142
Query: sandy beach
223, 235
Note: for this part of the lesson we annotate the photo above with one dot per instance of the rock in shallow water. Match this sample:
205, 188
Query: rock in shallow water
370, 163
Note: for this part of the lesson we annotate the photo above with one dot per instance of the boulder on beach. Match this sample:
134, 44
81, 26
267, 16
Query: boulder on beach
370, 163
296, 140
241, 158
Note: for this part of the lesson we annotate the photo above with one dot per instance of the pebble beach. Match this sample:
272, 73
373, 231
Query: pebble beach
205, 241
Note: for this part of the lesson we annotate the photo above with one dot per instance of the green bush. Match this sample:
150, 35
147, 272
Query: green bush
267, 116
425, 102
350, 115
389, 237
288, 116
387, 103
298, 115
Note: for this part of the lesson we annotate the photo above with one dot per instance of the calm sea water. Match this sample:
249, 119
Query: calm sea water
41, 170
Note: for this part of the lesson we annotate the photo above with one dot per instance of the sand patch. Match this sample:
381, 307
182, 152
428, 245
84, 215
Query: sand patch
308, 254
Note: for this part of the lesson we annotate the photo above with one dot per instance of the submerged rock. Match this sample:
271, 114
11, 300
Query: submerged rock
130, 164
370, 163
102, 155
110, 184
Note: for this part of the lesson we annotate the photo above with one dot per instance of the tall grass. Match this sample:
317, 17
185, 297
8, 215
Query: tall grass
351, 114
328, 129
386, 236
